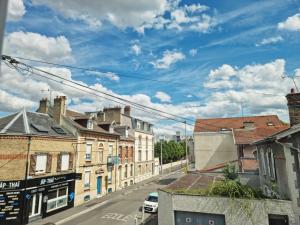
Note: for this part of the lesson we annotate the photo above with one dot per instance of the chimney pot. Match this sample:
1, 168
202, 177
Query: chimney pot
293, 102
292, 90
43, 108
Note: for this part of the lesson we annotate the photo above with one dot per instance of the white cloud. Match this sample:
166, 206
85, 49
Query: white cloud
196, 8
16, 10
25, 44
136, 49
271, 40
163, 97
169, 58
193, 52
205, 24
292, 23
224, 72
123, 14
189, 96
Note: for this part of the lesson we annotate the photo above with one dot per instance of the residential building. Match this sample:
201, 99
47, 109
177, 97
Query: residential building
142, 133
279, 159
219, 141
37, 158
182, 202
96, 150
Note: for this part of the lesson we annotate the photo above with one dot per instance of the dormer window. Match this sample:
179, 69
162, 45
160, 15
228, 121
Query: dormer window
90, 124
111, 129
224, 129
138, 125
126, 133
270, 124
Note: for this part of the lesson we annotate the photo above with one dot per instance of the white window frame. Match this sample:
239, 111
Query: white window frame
88, 154
40, 161
109, 177
65, 167
87, 185
110, 149
59, 198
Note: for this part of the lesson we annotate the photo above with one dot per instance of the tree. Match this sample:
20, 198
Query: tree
172, 151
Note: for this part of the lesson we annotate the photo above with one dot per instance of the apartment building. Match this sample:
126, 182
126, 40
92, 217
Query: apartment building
37, 160
96, 150
142, 133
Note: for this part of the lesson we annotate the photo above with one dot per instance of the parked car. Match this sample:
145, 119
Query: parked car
151, 202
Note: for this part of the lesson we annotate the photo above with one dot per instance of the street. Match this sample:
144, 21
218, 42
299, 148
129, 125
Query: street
121, 209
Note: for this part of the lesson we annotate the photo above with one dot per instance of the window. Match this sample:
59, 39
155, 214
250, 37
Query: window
110, 150
126, 171
140, 169
138, 125
271, 163
147, 142
88, 152
263, 162
90, 124
126, 152
41, 163
109, 177
120, 152
87, 178
146, 155
140, 141
100, 153
140, 155
131, 170
57, 199
65, 158
146, 168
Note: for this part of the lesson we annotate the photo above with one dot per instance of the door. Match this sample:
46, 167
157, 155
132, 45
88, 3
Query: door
99, 185
35, 204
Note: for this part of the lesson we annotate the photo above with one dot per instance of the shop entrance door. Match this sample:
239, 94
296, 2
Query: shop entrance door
35, 205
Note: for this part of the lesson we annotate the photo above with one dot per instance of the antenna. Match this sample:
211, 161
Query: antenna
50, 94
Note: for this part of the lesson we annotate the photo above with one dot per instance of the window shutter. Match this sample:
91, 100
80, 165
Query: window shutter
32, 165
71, 160
49, 163
58, 167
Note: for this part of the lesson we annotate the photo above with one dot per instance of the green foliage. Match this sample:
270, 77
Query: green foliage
230, 172
171, 151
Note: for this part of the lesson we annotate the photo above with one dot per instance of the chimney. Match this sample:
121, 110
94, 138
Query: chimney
59, 108
293, 102
43, 108
127, 110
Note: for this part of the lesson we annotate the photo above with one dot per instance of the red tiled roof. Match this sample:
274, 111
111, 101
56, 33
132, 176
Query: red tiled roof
216, 124
248, 136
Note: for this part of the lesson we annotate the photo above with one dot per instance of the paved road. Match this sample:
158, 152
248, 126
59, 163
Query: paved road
122, 210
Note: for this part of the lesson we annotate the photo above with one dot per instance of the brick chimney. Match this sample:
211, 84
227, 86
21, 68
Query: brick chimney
43, 108
59, 108
127, 110
293, 102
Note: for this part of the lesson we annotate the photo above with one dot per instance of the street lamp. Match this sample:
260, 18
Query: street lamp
161, 138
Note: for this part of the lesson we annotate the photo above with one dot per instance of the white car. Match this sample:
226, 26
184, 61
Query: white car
151, 202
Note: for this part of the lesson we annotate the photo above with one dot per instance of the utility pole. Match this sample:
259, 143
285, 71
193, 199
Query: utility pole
161, 171
186, 149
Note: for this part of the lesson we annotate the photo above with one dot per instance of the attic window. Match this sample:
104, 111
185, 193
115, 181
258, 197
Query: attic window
270, 124
224, 129
39, 128
59, 130
90, 124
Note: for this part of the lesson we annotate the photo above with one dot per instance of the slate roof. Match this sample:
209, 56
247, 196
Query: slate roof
216, 124
31, 123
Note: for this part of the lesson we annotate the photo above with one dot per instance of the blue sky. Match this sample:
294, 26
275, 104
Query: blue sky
209, 57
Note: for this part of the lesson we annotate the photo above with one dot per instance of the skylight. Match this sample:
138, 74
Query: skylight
39, 128
59, 130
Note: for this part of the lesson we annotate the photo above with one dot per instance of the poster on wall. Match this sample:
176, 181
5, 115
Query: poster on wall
194, 218
10, 207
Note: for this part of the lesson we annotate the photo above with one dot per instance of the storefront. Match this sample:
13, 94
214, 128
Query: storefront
42, 197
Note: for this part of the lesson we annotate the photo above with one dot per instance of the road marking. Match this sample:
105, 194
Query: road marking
80, 213
118, 217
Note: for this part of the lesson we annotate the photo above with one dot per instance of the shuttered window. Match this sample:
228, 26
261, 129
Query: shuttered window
88, 152
65, 157
87, 176
41, 163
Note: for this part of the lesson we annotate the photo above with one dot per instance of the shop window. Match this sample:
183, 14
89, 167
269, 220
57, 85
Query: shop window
88, 152
65, 158
87, 177
57, 199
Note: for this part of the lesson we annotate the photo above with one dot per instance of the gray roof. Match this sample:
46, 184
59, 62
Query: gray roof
31, 123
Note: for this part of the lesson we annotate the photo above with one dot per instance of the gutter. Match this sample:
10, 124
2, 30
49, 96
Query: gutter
288, 146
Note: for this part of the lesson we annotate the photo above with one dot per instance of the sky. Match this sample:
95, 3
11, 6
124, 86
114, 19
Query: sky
194, 59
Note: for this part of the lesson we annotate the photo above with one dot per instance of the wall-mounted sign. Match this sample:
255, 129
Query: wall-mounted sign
10, 207
193, 218
11, 185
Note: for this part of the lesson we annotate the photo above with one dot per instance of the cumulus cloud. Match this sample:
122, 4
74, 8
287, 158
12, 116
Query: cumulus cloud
35, 45
168, 58
270, 40
292, 23
136, 49
163, 97
120, 13
16, 10
224, 72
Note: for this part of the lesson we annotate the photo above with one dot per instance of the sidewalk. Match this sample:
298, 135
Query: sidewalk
95, 203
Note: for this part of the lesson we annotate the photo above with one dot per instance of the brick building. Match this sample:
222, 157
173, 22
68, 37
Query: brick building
37, 162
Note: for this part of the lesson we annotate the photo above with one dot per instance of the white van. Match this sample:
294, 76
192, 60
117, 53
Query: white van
151, 202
